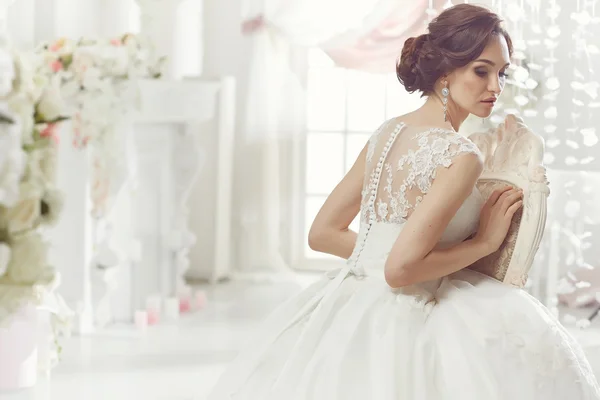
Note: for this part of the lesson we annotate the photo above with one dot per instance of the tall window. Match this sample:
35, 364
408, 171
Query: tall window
344, 108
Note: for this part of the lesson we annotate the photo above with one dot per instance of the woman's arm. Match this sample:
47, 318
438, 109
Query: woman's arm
412, 258
329, 232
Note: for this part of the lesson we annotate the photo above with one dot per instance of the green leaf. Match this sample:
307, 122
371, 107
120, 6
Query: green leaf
58, 119
67, 60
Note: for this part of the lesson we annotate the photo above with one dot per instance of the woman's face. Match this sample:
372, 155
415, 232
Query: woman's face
475, 87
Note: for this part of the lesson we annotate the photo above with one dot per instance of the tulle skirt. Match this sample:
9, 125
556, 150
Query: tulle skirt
354, 338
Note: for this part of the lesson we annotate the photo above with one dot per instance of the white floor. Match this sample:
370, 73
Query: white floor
178, 361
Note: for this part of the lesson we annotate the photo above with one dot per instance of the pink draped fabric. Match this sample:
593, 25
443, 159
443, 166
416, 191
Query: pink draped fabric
252, 25
378, 49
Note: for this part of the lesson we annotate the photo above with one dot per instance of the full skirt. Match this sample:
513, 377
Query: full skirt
355, 338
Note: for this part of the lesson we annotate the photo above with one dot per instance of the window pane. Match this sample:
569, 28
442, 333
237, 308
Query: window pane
366, 101
399, 101
326, 99
318, 58
324, 162
354, 144
312, 206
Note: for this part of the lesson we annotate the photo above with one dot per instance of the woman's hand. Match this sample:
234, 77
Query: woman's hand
496, 216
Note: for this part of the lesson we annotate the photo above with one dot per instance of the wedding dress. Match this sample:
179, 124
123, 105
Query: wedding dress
466, 336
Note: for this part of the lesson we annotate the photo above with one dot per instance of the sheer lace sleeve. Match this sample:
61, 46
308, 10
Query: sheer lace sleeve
403, 162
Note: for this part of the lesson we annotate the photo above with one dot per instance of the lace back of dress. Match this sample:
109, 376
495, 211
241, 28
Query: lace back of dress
401, 165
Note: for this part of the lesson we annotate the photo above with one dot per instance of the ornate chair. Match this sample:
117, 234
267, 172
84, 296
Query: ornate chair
513, 155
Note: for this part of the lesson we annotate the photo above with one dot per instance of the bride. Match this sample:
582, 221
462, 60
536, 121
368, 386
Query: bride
405, 319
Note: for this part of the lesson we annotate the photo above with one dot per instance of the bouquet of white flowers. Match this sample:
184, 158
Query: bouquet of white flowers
29, 199
94, 77
97, 79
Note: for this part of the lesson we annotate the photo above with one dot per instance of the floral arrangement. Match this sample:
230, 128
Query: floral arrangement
93, 77
88, 82
29, 199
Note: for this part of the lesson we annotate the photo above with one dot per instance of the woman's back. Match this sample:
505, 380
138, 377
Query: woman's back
400, 167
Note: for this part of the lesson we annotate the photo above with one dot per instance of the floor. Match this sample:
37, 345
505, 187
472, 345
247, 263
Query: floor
178, 361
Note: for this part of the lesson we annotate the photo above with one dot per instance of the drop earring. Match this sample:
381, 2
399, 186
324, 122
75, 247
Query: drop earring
445, 93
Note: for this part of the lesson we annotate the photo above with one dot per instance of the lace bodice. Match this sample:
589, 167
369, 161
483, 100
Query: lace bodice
401, 165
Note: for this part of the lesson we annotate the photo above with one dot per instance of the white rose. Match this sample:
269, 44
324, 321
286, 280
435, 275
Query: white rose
23, 74
12, 163
24, 110
47, 163
4, 258
39, 84
51, 104
26, 213
33, 172
28, 263
82, 62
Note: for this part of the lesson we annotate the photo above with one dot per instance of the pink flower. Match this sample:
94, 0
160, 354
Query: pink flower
56, 65
51, 133
115, 42
56, 46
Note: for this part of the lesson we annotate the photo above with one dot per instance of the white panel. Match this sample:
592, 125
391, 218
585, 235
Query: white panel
75, 19
153, 211
71, 239
21, 24
115, 17
45, 21
189, 33
163, 101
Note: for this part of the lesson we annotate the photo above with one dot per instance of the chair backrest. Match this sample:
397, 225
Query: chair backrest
513, 155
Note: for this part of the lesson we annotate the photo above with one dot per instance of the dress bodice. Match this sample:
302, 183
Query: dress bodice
401, 166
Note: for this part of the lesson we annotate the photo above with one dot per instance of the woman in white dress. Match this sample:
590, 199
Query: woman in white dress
405, 319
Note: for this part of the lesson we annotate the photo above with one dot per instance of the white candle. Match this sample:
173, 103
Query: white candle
199, 299
172, 308
141, 320
153, 303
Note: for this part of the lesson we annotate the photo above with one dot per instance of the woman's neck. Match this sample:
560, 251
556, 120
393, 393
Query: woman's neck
434, 110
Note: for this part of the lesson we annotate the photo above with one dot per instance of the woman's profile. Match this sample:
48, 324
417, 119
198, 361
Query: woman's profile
405, 319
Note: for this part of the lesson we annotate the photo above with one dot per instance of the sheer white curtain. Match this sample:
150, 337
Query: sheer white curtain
363, 34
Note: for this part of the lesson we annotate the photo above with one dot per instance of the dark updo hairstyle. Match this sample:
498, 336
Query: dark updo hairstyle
456, 37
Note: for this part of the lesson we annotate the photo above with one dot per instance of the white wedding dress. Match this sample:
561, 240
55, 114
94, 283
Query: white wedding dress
350, 336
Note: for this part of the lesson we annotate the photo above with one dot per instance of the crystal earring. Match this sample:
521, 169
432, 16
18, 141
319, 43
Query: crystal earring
445, 93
